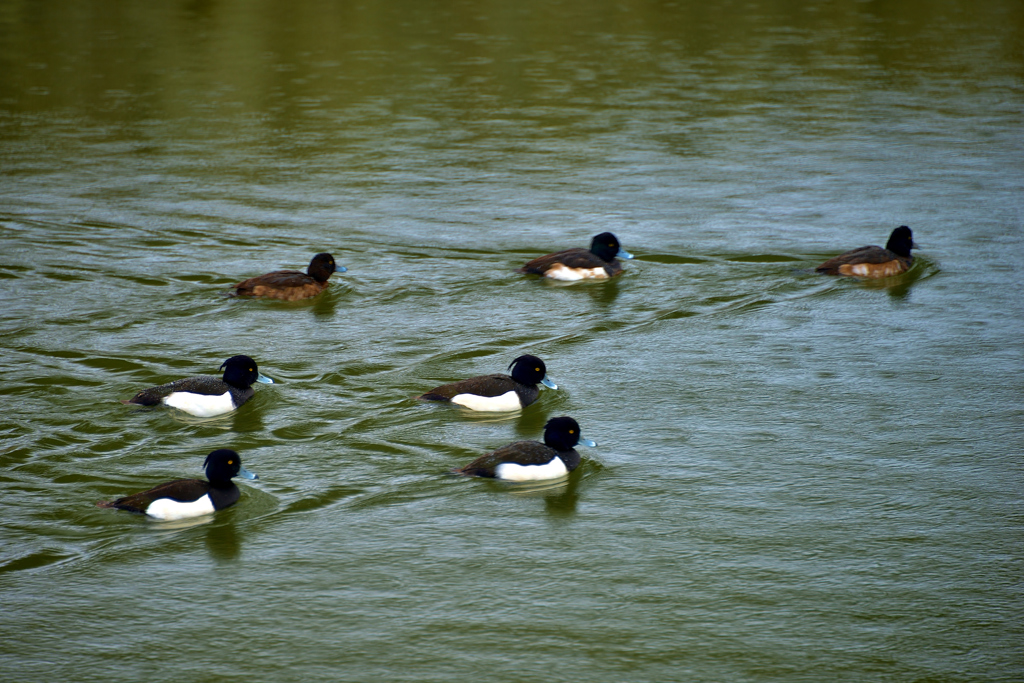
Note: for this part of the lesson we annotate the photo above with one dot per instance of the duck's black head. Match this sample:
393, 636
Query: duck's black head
605, 246
240, 371
562, 433
901, 241
223, 464
321, 267
528, 369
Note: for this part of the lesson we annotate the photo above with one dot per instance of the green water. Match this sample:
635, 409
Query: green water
797, 478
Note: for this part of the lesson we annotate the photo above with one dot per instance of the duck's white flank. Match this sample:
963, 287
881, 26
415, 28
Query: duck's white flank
562, 272
873, 269
511, 471
489, 404
200, 405
167, 509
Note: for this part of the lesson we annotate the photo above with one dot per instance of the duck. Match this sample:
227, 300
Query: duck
532, 460
206, 396
497, 393
185, 498
874, 261
292, 285
600, 262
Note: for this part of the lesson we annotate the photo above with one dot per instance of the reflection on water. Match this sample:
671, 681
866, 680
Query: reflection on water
325, 307
602, 294
560, 500
223, 542
560, 495
170, 528
562, 504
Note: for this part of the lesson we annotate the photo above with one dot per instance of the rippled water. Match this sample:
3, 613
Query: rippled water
797, 477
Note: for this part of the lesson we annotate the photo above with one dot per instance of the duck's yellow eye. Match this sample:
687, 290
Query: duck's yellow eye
231, 462
572, 431
537, 369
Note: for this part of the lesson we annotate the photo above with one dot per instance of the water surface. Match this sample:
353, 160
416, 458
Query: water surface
797, 478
